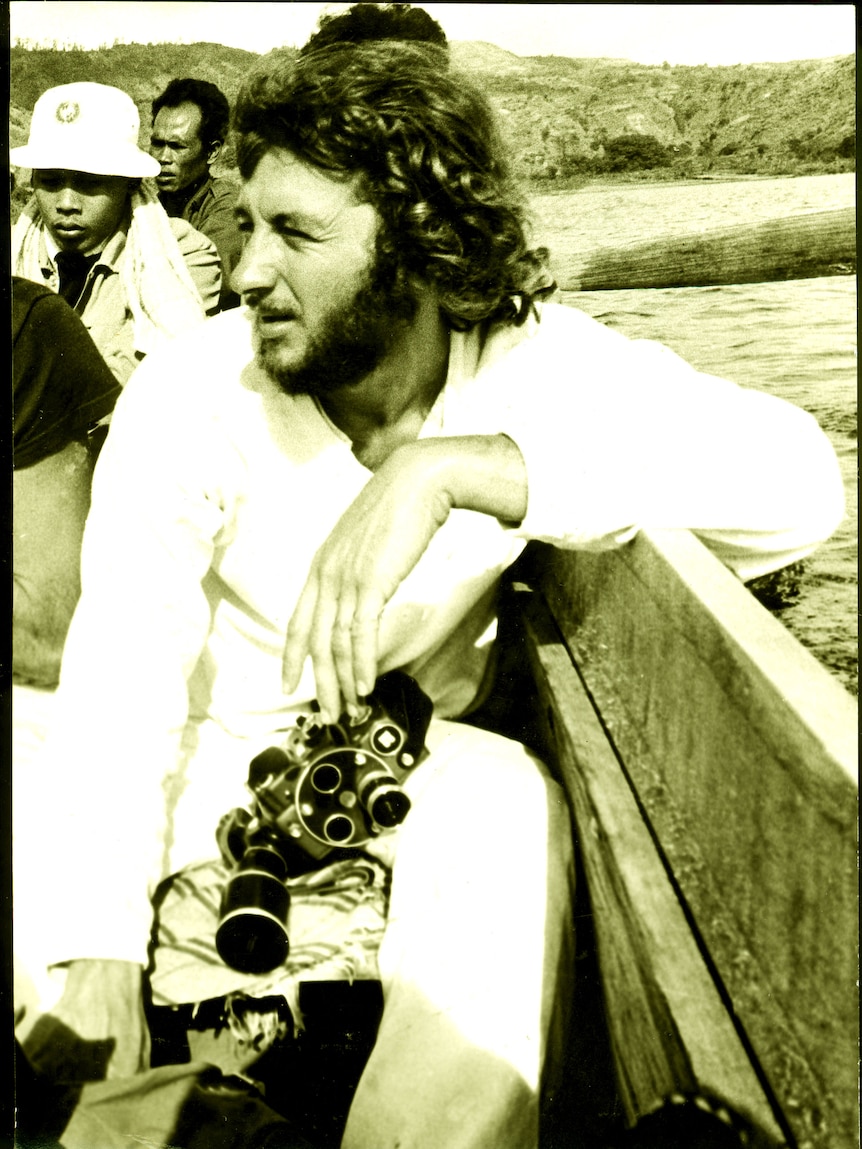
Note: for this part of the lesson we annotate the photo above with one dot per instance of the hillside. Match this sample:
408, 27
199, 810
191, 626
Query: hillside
565, 118
561, 114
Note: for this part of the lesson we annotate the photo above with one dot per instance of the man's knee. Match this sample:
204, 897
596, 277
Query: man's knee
488, 786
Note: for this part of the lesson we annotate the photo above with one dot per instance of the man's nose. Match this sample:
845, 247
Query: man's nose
68, 200
162, 154
257, 268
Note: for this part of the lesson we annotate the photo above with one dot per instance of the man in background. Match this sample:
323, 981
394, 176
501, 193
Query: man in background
96, 234
190, 126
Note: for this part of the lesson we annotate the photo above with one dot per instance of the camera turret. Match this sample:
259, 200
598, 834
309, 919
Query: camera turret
327, 787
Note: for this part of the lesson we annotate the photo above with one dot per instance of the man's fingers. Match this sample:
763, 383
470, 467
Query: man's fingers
296, 646
339, 630
327, 687
365, 634
342, 650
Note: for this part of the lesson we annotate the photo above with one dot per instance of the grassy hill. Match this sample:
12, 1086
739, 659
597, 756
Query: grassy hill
561, 115
566, 119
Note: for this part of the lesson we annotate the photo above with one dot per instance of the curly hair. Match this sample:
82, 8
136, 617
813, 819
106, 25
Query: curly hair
375, 22
212, 102
424, 145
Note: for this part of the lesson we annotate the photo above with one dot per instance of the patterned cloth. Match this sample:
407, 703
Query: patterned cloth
158, 288
335, 925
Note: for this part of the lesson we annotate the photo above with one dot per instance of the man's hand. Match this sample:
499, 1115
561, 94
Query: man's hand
373, 547
97, 1030
376, 544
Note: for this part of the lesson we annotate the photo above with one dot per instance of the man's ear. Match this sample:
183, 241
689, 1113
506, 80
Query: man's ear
214, 151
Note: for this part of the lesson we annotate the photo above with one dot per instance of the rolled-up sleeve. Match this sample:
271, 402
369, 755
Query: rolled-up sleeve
619, 435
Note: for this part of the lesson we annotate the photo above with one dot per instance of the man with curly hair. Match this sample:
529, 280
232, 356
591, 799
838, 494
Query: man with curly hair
353, 459
364, 22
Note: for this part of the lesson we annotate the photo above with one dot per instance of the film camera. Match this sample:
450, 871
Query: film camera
326, 788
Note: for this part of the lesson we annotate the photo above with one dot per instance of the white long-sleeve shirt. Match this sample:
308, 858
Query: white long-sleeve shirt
215, 490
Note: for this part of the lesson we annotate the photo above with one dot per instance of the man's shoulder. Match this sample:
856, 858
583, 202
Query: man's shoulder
223, 187
205, 378
205, 362
564, 344
39, 314
189, 238
554, 328
561, 320
225, 337
219, 196
25, 294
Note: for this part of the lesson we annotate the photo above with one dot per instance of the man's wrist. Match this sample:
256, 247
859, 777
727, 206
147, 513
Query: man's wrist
484, 473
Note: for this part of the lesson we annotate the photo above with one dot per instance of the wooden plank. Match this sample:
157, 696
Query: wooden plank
742, 751
670, 1029
794, 247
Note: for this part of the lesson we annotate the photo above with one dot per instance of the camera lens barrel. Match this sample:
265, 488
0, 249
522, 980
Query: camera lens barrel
385, 801
252, 930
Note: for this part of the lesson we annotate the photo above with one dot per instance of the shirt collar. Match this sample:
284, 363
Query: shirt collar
189, 198
108, 256
200, 188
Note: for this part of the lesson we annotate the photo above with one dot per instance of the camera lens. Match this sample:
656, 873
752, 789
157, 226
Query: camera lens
252, 930
386, 802
338, 828
326, 778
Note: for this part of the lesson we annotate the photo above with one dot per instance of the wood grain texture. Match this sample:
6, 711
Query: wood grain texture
741, 750
793, 247
670, 1029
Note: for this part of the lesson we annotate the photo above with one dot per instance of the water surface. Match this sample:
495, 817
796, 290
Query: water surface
795, 339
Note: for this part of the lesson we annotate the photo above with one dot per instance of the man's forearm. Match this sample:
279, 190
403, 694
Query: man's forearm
484, 473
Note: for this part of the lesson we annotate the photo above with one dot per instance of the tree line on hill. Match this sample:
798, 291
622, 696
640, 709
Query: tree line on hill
566, 119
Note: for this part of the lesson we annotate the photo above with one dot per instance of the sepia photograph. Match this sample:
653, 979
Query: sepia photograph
434, 546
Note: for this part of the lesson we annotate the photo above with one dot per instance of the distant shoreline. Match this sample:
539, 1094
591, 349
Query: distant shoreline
538, 188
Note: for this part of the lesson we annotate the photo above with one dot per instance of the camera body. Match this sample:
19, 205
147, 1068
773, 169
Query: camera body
327, 787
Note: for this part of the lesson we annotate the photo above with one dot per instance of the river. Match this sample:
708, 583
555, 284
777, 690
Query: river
796, 339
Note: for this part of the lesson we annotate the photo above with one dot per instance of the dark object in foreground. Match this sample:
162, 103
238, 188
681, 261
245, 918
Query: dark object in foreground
693, 1122
309, 1075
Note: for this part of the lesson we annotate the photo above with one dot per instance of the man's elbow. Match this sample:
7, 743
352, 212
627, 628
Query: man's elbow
810, 499
822, 495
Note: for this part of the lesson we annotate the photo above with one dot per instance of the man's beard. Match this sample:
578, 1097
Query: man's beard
353, 339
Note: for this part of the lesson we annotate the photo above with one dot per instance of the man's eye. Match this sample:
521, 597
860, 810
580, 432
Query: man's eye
296, 233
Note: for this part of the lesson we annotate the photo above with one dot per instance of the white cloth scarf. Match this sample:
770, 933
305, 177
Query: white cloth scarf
158, 288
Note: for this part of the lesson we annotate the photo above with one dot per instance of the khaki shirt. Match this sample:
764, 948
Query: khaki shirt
103, 306
210, 210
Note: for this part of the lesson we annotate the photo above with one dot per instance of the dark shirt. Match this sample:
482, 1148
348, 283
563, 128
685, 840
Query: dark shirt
61, 385
73, 270
208, 207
